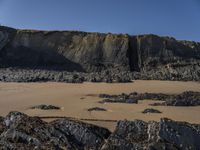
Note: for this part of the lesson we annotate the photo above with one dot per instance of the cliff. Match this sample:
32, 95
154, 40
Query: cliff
94, 52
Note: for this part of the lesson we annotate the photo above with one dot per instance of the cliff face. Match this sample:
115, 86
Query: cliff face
81, 51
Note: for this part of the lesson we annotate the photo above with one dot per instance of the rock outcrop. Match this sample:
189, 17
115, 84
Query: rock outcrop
188, 98
165, 135
151, 56
23, 132
19, 131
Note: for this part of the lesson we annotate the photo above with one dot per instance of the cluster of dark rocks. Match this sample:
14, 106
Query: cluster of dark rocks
45, 107
19, 131
188, 98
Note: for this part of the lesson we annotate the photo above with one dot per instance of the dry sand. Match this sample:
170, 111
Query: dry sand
75, 99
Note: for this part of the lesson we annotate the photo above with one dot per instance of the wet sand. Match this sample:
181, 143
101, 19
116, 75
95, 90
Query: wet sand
75, 99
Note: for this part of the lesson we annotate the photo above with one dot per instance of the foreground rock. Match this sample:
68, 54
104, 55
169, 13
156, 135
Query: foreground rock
45, 107
188, 98
165, 135
19, 131
23, 132
151, 110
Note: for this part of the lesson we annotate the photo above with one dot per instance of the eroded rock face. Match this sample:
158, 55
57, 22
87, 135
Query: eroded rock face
152, 56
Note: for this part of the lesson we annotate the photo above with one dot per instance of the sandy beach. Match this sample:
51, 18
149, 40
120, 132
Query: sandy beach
75, 99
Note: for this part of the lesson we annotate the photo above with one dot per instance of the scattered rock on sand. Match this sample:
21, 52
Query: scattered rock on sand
97, 109
45, 107
151, 110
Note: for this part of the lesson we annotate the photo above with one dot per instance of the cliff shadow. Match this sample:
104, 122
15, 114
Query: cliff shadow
23, 57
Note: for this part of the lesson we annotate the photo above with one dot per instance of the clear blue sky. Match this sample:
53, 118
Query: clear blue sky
177, 18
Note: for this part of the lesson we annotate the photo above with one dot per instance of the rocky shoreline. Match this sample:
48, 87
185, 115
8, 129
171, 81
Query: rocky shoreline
19, 131
40, 75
